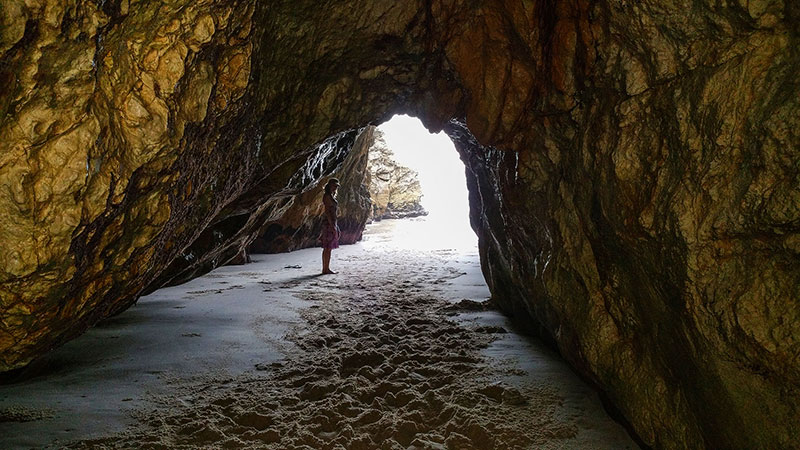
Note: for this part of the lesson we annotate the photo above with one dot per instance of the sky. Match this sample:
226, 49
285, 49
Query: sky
441, 175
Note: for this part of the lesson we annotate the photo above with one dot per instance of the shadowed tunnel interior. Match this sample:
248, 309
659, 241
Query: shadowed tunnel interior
633, 172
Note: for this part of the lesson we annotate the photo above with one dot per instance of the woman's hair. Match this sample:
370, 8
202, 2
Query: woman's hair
330, 184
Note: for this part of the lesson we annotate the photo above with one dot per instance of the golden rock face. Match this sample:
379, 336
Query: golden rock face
94, 112
633, 168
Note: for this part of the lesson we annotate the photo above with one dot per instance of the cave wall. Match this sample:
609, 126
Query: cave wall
129, 130
99, 191
227, 239
648, 221
298, 219
633, 171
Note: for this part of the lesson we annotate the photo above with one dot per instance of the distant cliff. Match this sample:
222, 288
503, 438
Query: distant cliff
393, 188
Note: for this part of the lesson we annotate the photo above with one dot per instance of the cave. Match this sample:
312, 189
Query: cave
633, 172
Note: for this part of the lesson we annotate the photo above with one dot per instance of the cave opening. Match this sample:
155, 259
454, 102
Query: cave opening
401, 347
434, 191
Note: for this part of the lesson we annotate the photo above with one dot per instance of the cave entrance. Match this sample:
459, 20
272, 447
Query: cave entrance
418, 180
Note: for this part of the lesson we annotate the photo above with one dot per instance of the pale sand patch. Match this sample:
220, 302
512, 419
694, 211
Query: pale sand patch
381, 355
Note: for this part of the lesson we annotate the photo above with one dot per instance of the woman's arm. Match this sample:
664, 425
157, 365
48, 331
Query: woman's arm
330, 210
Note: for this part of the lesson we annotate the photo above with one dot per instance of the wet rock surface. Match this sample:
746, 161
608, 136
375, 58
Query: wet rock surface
646, 224
634, 171
99, 191
299, 218
140, 149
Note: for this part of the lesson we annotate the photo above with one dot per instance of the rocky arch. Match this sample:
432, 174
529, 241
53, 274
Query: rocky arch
633, 170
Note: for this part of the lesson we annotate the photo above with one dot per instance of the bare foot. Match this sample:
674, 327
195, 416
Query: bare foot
328, 272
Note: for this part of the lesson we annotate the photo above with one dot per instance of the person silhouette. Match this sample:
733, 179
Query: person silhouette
330, 229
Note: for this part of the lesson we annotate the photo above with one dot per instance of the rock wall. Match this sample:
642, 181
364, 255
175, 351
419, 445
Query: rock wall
227, 239
113, 123
633, 168
131, 130
299, 218
647, 218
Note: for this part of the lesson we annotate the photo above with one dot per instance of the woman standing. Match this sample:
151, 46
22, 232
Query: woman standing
330, 229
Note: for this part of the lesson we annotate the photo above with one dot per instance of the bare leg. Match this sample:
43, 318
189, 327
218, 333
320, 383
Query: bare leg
326, 261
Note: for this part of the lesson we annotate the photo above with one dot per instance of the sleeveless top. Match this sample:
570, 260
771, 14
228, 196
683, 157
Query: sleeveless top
331, 207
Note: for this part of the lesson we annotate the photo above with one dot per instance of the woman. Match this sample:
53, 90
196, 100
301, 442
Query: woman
330, 229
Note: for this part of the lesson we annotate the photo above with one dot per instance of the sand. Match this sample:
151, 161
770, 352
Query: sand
401, 349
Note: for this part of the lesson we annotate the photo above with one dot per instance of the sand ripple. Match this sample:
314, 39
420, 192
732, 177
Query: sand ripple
384, 367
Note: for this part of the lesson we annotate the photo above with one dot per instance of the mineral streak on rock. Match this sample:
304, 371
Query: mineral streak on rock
633, 167
295, 221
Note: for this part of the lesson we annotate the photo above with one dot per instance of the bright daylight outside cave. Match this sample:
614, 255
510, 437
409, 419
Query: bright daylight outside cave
557, 224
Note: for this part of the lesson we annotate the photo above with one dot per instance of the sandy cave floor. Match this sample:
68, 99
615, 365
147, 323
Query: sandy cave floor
398, 350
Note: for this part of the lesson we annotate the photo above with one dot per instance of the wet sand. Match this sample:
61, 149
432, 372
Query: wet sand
399, 350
